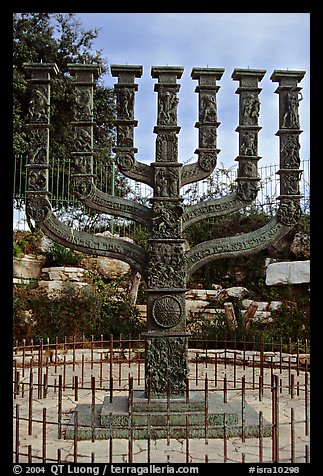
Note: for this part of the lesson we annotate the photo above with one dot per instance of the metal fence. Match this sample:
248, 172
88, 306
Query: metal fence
50, 380
70, 209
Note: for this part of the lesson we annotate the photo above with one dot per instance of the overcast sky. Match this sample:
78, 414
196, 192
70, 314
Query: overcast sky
223, 40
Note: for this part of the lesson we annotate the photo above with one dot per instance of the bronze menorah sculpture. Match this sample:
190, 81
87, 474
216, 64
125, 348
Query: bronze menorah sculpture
167, 266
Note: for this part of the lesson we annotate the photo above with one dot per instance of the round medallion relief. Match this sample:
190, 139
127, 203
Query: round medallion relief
167, 311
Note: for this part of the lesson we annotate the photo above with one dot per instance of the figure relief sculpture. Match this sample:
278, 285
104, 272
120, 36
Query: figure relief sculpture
290, 117
84, 109
250, 109
38, 105
208, 108
166, 266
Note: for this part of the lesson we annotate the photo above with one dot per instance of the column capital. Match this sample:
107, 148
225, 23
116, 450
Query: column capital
126, 73
292, 77
167, 74
40, 71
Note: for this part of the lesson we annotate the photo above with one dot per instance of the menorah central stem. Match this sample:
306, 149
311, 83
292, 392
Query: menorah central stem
166, 337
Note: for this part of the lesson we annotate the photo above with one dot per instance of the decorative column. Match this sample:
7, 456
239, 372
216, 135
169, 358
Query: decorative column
289, 146
166, 337
84, 82
39, 124
248, 129
125, 122
207, 123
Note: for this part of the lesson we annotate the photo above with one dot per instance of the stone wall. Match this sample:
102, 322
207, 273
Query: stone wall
55, 279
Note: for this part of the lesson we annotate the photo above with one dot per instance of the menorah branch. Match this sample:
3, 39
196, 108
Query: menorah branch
240, 245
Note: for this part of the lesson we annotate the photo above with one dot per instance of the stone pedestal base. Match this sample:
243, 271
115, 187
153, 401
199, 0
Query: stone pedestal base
159, 419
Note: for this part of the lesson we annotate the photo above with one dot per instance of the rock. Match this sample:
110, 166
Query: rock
274, 305
54, 288
260, 316
288, 272
109, 268
237, 291
262, 305
63, 273
28, 267
195, 305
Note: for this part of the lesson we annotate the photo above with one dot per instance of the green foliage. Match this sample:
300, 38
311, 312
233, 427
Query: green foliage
102, 309
26, 242
17, 251
59, 255
57, 38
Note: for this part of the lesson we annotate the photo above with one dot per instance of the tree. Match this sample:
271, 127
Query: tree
58, 38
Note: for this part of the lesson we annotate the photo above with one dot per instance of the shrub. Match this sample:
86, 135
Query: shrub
59, 255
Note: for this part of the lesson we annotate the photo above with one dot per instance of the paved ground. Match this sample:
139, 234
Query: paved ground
293, 430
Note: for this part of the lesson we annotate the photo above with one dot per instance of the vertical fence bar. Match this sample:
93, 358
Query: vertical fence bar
261, 366
17, 433
101, 369
260, 387
111, 359
74, 355
129, 350
130, 447
277, 417
17, 384
82, 371
30, 403
253, 372
292, 384
187, 440
206, 405
23, 356
59, 407
44, 435
225, 397
55, 354
273, 423
216, 370
234, 369
76, 388
40, 369
120, 373
93, 413
92, 344
30, 452
110, 438
187, 394
138, 362
243, 408
196, 368
64, 372
15, 380
167, 411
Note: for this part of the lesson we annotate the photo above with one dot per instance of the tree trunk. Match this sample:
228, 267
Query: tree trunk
230, 317
133, 292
